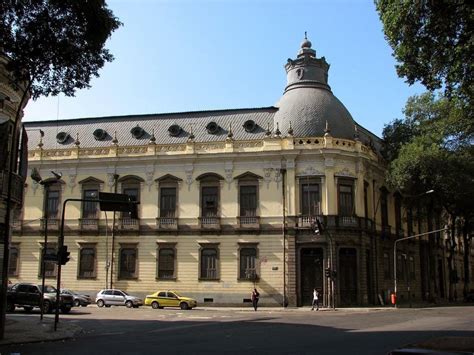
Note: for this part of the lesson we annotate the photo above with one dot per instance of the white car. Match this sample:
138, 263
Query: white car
114, 297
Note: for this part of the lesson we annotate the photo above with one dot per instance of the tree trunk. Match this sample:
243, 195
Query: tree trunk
467, 251
451, 258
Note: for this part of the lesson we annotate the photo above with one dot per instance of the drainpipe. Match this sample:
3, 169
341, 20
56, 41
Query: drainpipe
113, 238
283, 175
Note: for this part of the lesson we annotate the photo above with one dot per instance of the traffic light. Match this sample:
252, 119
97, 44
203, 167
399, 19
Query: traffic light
63, 255
327, 272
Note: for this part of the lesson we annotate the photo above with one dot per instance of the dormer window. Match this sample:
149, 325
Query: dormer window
137, 132
212, 128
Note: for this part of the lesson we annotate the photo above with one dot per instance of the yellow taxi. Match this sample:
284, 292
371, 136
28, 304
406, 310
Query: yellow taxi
161, 299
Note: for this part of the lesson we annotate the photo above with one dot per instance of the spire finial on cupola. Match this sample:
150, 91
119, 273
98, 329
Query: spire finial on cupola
152, 138
77, 142
356, 133
40, 144
230, 134
290, 129
327, 130
277, 131
268, 132
115, 140
191, 134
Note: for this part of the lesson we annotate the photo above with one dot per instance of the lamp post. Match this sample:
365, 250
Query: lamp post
319, 229
35, 176
395, 256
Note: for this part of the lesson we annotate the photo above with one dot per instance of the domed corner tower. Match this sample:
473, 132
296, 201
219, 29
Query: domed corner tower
308, 102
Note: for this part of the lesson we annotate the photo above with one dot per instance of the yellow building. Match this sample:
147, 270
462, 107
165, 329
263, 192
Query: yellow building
227, 201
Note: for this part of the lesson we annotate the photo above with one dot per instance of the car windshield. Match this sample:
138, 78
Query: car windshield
48, 289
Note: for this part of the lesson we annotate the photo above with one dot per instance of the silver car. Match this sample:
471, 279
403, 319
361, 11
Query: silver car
114, 297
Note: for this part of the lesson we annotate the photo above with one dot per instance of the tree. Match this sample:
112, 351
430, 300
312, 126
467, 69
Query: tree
49, 47
55, 46
432, 42
436, 152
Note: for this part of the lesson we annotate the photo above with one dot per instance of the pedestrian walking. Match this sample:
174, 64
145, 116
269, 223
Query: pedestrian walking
315, 300
255, 296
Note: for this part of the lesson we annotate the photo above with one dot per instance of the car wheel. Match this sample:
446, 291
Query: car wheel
129, 304
66, 310
77, 303
184, 305
155, 305
47, 307
28, 309
10, 307
100, 303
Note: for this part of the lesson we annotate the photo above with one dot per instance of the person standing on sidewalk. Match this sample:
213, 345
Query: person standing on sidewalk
315, 300
255, 296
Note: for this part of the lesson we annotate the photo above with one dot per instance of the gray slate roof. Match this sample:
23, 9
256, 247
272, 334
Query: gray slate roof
157, 122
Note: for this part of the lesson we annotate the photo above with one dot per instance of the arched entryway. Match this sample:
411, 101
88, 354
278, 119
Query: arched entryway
311, 262
347, 275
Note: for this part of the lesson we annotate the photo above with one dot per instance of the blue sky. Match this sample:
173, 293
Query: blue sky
190, 55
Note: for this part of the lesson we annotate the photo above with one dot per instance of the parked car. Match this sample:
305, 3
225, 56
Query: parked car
162, 299
78, 299
28, 296
114, 297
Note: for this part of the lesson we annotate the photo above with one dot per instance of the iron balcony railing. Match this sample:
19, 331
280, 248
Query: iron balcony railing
167, 222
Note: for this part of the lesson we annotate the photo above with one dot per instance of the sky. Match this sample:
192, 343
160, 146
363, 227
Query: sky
193, 55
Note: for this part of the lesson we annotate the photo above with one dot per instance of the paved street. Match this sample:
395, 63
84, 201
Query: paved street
119, 330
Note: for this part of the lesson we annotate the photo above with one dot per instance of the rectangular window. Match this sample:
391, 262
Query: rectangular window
248, 263
386, 266
166, 263
87, 261
346, 199
210, 201
128, 263
52, 203
90, 209
310, 199
248, 201
209, 263
13, 261
49, 266
167, 202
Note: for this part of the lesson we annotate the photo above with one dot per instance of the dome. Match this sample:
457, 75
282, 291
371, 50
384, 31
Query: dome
308, 109
308, 102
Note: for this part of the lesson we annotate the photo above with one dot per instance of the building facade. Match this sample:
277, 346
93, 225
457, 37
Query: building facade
228, 201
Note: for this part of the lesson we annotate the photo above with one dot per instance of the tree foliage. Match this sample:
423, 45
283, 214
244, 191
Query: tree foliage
55, 46
432, 149
432, 42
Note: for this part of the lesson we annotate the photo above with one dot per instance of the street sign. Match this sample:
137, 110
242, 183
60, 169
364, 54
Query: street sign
115, 202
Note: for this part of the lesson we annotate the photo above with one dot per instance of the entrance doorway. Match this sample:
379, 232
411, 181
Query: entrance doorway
311, 274
348, 276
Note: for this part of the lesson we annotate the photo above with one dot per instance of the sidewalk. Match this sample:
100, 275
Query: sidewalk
27, 330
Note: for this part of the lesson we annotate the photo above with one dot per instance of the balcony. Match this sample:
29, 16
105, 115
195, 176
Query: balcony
53, 224
16, 190
129, 224
250, 222
167, 223
335, 222
89, 224
210, 222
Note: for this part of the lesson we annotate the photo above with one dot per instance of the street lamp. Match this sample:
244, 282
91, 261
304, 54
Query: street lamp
35, 176
395, 257
319, 230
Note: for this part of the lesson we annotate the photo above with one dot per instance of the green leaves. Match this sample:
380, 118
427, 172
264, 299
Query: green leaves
432, 42
55, 45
